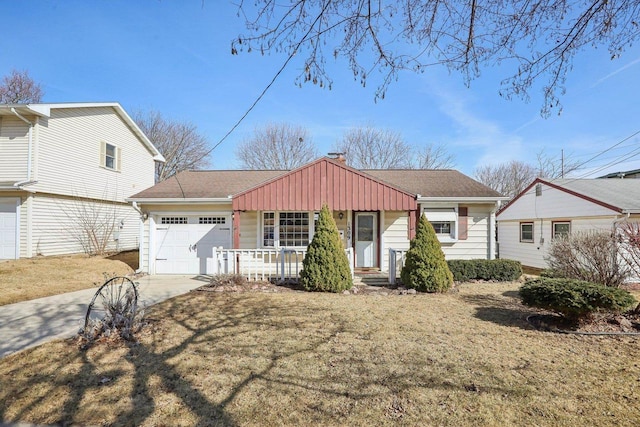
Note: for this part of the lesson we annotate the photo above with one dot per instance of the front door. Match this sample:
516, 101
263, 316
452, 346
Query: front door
366, 237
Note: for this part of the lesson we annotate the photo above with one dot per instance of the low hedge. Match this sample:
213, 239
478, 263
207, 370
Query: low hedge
574, 299
503, 270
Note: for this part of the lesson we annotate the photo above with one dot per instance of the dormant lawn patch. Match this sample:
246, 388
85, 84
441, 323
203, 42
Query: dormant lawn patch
26, 279
216, 358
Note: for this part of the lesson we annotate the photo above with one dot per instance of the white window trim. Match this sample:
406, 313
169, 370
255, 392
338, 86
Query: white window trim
533, 232
452, 237
103, 156
276, 230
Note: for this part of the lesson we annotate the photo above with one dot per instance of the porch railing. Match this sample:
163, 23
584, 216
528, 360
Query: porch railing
396, 262
264, 264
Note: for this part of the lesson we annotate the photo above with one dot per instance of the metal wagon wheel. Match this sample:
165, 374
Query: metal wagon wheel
114, 302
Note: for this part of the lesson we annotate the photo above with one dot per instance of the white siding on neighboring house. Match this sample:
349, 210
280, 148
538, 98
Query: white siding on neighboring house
57, 224
70, 155
533, 254
552, 203
14, 148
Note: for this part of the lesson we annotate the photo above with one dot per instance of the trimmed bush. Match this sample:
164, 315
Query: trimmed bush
502, 270
425, 268
574, 299
325, 267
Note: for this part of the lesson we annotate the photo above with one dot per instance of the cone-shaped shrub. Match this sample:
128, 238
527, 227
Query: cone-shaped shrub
425, 268
326, 266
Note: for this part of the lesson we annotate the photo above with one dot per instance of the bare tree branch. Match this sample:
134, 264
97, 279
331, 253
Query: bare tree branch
535, 39
180, 143
368, 147
277, 146
18, 87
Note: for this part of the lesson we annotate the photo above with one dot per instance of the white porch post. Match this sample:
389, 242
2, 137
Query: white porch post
492, 234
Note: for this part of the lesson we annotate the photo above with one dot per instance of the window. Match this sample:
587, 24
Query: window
294, 228
212, 220
109, 156
444, 220
561, 229
173, 220
268, 229
526, 232
442, 227
291, 229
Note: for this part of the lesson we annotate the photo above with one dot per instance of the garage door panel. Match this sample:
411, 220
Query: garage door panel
8, 228
188, 248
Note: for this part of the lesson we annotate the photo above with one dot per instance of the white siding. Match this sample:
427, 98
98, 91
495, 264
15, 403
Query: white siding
395, 231
250, 223
533, 254
552, 203
69, 155
476, 246
56, 226
14, 148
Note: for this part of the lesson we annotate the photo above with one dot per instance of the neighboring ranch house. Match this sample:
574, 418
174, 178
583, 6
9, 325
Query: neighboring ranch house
258, 217
65, 171
548, 209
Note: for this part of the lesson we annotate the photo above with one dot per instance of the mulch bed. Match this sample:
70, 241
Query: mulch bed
602, 323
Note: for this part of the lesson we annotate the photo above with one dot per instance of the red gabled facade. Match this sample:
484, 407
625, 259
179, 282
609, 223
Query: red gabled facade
325, 181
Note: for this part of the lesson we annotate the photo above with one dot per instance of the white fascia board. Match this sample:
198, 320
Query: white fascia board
461, 199
217, 200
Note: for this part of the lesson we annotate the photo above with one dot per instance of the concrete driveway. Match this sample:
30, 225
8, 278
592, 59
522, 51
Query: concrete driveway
30, 323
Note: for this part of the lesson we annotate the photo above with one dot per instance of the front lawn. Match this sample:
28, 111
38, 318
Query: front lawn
219, 358
30, 278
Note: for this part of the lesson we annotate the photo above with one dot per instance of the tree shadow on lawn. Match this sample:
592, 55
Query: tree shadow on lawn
500, 310
157, 364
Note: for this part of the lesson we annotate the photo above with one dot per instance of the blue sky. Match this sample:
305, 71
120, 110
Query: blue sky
174, 57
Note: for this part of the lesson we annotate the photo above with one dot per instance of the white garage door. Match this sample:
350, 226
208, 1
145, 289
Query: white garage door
8, 228
185, 244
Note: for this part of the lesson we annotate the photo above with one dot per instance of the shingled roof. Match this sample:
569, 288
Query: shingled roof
436, 183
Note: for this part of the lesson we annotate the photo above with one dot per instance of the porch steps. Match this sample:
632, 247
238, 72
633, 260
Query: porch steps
371, 279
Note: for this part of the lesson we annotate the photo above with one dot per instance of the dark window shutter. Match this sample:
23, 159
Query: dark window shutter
463, 223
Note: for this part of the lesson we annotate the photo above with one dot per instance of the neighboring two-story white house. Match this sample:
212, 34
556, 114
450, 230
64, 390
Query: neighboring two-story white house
65, 171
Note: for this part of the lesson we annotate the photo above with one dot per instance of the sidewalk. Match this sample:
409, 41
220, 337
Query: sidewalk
30, 323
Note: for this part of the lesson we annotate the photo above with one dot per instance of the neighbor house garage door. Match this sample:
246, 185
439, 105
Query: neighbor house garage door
8, 226
185, 244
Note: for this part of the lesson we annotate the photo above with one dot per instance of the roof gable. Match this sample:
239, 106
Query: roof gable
325, 181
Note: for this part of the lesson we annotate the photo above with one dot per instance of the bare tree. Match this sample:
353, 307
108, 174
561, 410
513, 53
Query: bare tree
513, 177
435, 157
509, 178
278, 146
629, 246
180, 143
368, 147
536, 40
18, 87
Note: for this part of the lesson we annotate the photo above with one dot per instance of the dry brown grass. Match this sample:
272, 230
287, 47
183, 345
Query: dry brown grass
31, 278
461, 359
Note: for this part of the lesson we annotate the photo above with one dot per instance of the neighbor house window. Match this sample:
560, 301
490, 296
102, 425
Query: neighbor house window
561, 229
526, 232
291, 229
109, 156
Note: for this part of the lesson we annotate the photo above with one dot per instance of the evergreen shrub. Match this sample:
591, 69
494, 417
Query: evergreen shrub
425, 268
502, 270
574, 299
325, 267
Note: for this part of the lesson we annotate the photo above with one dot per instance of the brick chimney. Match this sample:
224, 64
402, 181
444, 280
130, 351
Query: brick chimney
339, 157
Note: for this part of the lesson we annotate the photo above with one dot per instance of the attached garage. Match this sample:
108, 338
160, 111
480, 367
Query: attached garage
9, 228
185, 243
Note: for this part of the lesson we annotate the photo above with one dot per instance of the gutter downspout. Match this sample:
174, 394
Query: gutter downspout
17, 184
